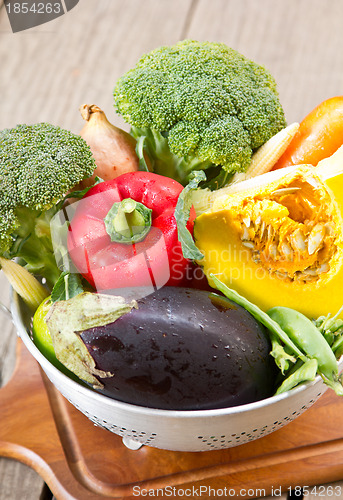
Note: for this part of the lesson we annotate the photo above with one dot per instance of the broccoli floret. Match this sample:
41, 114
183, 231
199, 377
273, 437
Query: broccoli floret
210, 105
38, 165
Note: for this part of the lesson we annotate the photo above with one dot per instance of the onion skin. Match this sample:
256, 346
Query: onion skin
113, 148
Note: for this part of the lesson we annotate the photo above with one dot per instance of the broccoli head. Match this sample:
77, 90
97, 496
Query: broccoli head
207, 103
39, 164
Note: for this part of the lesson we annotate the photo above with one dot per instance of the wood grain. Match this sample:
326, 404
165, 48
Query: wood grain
18, 481
298, 41
77, 58
52, 69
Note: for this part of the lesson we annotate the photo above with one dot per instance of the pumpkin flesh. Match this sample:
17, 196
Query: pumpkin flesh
279, 242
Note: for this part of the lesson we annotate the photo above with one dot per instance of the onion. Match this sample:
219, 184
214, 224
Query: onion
113, 148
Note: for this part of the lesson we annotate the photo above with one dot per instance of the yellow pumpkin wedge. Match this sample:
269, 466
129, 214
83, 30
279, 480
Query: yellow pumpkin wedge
278, 238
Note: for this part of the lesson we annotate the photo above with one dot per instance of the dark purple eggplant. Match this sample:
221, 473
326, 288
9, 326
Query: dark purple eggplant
179, 349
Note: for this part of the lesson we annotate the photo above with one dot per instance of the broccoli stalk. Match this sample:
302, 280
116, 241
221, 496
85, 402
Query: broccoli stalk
199, 106
39, 164
155, 145
32, 243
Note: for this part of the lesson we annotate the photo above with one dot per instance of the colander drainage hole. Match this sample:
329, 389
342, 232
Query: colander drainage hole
218, 442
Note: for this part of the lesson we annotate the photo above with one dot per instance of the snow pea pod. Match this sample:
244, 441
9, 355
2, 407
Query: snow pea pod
305, 373
307, 337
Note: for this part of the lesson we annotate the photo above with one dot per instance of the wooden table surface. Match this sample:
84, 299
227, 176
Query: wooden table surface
47, 72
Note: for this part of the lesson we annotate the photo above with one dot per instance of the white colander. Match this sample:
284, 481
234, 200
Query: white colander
200, 430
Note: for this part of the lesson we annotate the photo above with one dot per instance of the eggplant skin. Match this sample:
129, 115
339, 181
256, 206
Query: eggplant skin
184, 349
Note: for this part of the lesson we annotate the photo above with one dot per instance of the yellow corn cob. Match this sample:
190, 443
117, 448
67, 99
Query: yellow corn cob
268, 154
24, 283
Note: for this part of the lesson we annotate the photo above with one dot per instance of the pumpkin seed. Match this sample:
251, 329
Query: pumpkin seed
310, 272
270, 233
248, 244
297, 240
282, 191
316, 238
324, 268
273, 251
286, 251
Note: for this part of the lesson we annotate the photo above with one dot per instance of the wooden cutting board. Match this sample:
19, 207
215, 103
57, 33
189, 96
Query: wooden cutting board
81, 461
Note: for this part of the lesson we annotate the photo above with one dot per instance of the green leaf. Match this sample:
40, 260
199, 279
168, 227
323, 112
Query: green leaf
67, 286
182, 211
